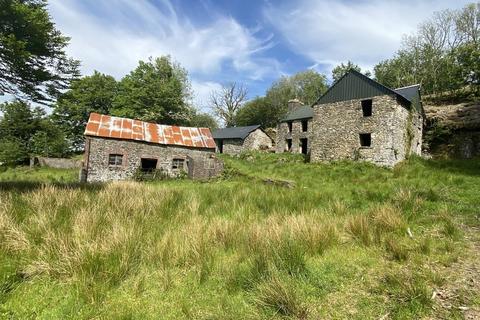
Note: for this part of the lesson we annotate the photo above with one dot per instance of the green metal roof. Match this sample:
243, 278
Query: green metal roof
355, 85
303, 112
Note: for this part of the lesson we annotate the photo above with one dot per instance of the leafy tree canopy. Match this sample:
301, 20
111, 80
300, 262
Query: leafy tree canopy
442, 55
203, 120
94, 93
306, 86
342, 68
25, 131
157, 90
33, 64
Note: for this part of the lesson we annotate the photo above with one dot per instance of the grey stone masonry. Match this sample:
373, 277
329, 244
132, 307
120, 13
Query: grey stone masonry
256, 140
129, 153
389, 135
294, 135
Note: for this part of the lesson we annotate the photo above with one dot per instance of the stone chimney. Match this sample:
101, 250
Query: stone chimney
294, 104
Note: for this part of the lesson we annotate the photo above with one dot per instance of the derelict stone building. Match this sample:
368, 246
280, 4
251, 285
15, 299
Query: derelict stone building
293, 132
360, 119
235, 140
115, 148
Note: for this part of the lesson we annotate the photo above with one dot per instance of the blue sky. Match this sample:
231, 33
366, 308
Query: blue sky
251, 42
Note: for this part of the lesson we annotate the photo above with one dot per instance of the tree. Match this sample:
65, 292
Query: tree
25, 131
227, 101
442, 55
94, 93
342, 68
306, 86
33, 64
157, 90
258, 111
203, 120
19, 121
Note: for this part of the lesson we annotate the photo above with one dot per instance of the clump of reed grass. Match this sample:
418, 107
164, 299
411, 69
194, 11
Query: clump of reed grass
280, 296
360, 228
397, 250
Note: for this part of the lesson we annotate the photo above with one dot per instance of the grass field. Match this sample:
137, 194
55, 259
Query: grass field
343, 240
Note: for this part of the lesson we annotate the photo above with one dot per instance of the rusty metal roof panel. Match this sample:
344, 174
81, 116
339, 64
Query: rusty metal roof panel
100, 125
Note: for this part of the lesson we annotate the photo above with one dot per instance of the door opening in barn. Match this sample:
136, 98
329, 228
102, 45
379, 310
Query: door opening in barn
303, 145
220, 146
149, 165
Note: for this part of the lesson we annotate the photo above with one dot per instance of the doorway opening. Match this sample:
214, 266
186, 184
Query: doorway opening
220, 146
304, 145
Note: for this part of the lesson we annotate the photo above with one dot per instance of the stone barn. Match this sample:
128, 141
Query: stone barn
293, 132
116, 148
360, 119
235, 140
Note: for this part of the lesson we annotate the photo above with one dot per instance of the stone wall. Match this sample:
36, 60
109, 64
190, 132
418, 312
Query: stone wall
256, 140
99, 149
395, 131
232, 146
283, 134
59, 163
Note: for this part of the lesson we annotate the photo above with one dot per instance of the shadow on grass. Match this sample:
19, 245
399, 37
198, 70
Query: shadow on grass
27, 186
469, 167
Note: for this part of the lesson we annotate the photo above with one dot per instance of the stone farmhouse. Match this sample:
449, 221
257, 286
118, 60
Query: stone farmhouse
356, 119
293, 132
235, 140
116, 148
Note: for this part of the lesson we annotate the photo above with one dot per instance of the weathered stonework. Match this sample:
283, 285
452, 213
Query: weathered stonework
297, 133
256, 140
97, 151
396, 131
59, 163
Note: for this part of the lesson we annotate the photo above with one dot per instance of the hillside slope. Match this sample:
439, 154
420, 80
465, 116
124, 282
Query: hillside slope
273, 238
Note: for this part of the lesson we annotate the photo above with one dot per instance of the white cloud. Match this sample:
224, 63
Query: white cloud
202, 93
330, 32
112, 36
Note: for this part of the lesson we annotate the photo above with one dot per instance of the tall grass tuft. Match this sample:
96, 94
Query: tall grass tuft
360, 228
280, 296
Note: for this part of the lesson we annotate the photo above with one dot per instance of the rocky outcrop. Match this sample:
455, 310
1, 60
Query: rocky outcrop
458, 116
453, 130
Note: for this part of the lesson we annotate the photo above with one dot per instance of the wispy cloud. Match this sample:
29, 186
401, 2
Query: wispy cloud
329, 32
112, 36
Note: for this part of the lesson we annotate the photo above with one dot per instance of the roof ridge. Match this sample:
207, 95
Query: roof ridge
410, 86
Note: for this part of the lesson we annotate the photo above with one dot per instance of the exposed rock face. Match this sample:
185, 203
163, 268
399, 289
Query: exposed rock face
459, 136
459, 116
171, 159
393, 130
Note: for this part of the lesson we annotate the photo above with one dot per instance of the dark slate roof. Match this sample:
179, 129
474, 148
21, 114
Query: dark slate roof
410, 93
303, 112
356, 85
234, 132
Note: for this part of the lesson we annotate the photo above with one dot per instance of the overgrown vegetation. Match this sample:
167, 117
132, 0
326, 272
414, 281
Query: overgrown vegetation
348, 240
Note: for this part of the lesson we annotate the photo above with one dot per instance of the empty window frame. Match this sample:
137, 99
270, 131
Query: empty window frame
365, 139
290, 126
178, 164
289, 144
304, 125
367, 107
148, 165
115, 159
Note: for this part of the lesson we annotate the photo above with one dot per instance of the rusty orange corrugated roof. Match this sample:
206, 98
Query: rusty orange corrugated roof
100, 125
